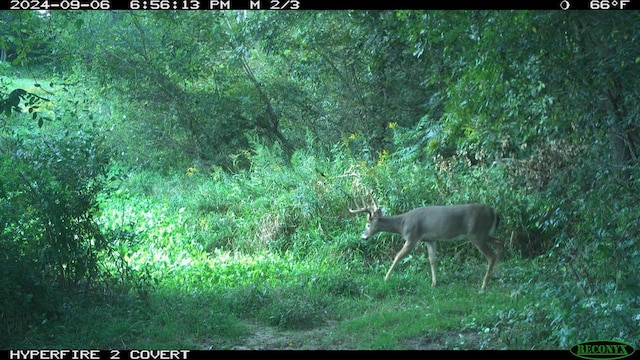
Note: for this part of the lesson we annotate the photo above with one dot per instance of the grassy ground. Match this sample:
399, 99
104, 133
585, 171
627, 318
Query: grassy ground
403, 313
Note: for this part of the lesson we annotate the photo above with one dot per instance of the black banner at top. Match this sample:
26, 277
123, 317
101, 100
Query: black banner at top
216, 5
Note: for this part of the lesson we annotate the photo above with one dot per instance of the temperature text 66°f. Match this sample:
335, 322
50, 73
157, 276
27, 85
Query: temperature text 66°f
608, 4
284, 4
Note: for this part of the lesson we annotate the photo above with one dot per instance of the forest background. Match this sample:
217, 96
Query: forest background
182, 179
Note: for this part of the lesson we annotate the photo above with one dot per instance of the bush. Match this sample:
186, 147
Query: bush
48, 237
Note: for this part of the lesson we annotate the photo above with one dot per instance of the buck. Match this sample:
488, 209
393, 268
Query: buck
430, 224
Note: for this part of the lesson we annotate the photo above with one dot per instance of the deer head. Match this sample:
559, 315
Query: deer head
373, 214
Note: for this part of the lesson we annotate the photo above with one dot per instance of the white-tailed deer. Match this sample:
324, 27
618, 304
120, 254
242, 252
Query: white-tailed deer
430, 224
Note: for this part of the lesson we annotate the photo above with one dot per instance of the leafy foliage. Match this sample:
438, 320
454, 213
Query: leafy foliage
12, 104
48, 234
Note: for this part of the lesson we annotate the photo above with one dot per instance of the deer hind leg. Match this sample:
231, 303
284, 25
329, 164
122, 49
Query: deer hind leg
483, 245
499, 245
406, 249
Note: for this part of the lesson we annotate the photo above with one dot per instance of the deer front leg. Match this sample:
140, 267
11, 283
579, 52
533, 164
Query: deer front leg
406, 249
431, 248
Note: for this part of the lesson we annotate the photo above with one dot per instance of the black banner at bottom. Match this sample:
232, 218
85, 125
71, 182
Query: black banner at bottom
64, 354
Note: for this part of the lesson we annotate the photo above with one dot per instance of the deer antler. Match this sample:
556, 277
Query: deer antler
368, 208
373, 202
365, 208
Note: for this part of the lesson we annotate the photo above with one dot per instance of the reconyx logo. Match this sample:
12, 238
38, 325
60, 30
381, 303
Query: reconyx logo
602, 349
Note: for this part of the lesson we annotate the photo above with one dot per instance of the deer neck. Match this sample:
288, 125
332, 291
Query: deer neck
392, 224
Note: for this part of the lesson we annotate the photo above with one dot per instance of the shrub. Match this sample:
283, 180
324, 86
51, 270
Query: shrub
48, 237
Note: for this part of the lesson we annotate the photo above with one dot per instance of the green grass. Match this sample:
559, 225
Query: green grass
219, 316
429, 313
162, 321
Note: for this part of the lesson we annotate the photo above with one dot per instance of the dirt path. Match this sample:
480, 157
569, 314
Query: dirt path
272, 338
